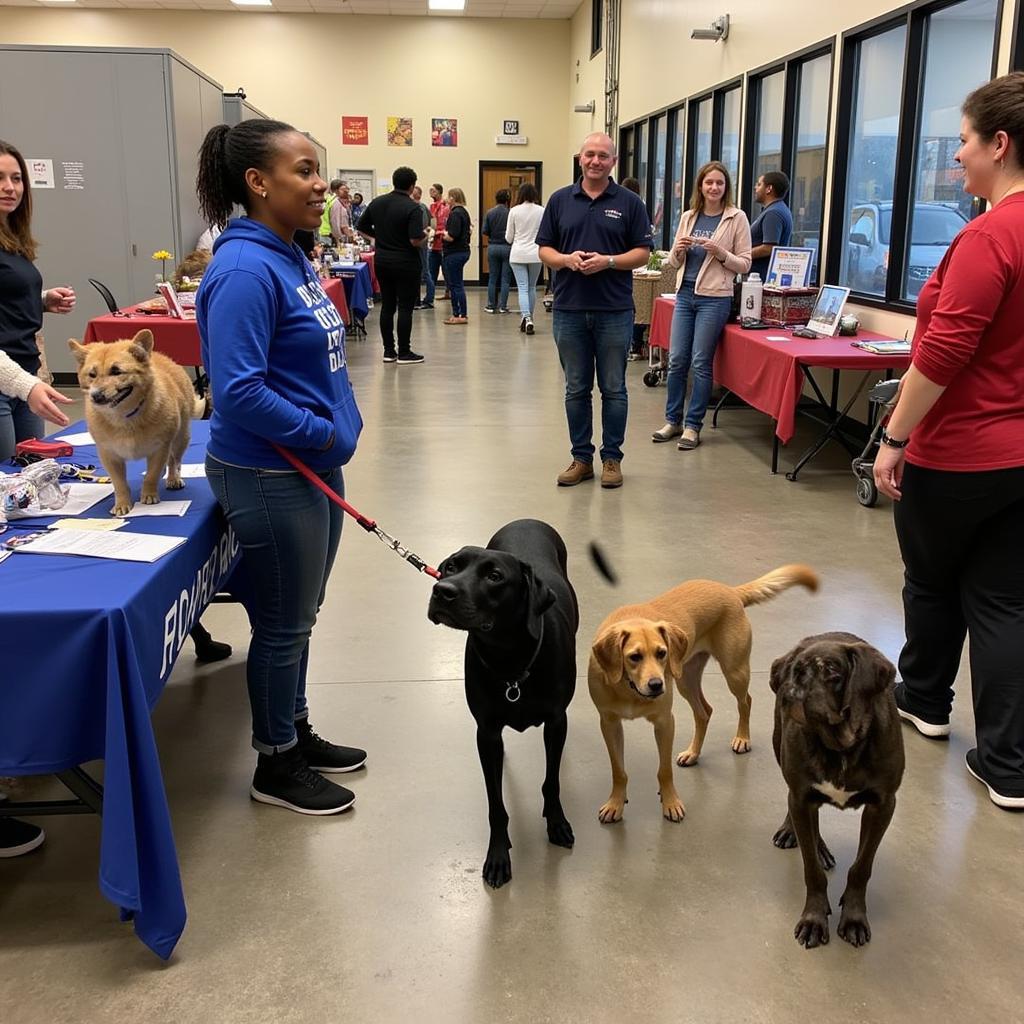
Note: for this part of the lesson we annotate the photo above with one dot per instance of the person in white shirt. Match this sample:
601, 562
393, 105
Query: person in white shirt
35, 393
521, 233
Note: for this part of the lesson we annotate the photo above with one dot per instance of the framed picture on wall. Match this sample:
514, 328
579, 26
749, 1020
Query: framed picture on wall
444, 131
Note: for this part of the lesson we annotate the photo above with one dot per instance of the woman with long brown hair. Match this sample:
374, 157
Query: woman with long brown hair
712, 246
23, 300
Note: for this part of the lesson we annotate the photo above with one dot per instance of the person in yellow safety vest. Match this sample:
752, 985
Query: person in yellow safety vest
330, 199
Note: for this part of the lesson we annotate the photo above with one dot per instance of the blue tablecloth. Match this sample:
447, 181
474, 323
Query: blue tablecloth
358, 287
88, 647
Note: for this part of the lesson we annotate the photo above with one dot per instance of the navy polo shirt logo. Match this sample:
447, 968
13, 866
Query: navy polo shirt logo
614, 214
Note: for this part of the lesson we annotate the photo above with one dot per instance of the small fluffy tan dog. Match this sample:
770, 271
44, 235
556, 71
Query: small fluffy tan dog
139, 405
641, 649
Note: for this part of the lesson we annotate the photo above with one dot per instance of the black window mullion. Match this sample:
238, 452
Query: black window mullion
790, 118
1016, 40
717, 123
906, 156
676, 123
751, 133
850, 69
692, 117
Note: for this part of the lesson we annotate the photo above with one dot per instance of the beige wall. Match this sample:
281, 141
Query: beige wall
415, 67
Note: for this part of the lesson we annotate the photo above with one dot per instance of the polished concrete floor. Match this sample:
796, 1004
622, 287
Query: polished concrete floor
380, 915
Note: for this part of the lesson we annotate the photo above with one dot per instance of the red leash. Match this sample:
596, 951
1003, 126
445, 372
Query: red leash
367, 524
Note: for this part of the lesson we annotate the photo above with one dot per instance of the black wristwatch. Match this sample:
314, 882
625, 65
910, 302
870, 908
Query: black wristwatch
891, 442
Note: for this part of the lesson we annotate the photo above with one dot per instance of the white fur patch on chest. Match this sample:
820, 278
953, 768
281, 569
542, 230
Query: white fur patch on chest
837, 796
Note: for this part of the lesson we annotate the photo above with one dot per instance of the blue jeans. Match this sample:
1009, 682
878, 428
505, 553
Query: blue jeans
433, 269
526, 280
696, 327
454, 263
17, 423
425, 263
499, 275
585, 341
289, 535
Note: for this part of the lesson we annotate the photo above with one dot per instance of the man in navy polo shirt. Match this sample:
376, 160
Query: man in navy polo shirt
594, 233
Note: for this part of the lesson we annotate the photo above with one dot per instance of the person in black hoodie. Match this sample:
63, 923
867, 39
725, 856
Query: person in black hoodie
456, 253
274, 347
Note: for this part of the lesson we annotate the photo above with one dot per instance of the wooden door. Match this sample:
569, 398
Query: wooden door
492, 178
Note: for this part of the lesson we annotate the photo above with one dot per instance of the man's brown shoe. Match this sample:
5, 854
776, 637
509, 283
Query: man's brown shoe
577, 473
611, 475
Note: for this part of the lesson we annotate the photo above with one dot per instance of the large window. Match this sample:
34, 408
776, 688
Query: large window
596, 25
729, 150
787, 130
714, 131
657, 204
640, 167
900, 202
675, 174
701, 119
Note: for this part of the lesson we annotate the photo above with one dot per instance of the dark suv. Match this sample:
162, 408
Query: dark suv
934, 227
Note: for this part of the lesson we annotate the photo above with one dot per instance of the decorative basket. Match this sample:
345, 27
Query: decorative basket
786, 307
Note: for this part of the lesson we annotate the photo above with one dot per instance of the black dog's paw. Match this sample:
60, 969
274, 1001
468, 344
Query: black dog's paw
853, 922
812, 930
560, 833
785, 837
497, 868
825, 858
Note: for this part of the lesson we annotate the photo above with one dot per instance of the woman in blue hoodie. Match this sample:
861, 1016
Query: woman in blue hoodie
274, 348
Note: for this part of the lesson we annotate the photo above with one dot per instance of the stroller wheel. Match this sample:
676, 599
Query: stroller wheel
651, 378
867, 492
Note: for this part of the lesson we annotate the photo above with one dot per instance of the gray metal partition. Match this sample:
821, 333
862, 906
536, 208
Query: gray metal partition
238, 109
124, 159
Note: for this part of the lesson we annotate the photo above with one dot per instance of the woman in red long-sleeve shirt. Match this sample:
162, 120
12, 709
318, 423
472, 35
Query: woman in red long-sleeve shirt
953, 459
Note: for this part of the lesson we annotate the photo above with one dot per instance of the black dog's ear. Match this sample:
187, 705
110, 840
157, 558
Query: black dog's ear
539, 596
784, 681
781, 668
872, 673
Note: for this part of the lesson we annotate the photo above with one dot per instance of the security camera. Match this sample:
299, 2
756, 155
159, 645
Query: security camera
719, 30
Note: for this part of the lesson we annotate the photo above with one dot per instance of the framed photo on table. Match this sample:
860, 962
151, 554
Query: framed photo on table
790, 267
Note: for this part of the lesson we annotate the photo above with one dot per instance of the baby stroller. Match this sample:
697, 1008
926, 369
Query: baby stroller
882, 395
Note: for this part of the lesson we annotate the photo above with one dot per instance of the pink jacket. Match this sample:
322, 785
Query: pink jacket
714, 277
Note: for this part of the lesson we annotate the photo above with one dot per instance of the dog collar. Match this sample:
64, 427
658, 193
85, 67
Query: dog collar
512, 691
129, 415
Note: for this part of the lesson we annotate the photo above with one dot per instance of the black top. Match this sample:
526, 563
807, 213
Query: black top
495, 223
394, 220
459, 228
21, 309
305, 240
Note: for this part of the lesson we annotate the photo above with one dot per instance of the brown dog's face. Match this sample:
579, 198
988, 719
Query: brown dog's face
829, 684
110, 372
646, 655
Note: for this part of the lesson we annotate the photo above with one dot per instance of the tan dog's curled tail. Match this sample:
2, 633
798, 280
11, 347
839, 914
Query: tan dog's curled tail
766, 587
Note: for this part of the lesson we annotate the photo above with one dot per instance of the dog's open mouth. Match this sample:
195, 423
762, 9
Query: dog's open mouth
99, 398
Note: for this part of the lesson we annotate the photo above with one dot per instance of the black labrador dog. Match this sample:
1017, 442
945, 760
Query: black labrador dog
515, 600
838, 740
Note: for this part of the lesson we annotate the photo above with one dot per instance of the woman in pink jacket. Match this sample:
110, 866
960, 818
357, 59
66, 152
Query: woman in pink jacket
711, 247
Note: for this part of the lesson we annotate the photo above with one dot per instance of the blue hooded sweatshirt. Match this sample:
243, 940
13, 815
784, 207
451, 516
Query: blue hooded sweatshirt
274, 348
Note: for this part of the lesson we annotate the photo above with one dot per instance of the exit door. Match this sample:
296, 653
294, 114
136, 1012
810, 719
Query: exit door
497, 175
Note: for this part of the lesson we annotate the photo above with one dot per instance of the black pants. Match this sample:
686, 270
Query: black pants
399, 288
962, 540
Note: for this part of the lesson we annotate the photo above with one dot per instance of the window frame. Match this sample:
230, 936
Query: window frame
717, 96
628, 168
596, 27
1017, 38
914, 17
791, 67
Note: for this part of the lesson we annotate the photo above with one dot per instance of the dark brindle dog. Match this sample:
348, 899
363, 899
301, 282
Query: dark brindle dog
838, 741
515, 601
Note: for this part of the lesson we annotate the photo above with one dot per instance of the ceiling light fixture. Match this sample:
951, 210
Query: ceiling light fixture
446, 5
252, 3
719, 30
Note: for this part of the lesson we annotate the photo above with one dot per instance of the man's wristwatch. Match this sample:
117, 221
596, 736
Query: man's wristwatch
891, 442
611, 262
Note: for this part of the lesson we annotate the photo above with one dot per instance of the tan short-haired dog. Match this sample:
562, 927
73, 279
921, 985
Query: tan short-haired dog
139, 405
641, 649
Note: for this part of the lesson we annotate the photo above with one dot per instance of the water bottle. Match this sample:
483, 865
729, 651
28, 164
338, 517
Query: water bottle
750, 298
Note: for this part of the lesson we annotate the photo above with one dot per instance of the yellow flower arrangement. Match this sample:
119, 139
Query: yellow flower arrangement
163, 256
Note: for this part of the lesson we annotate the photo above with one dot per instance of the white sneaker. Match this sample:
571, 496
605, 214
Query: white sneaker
667, 432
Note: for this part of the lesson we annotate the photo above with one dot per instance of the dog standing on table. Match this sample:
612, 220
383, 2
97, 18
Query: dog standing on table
838, 741
515, 600
641, 649
139, 405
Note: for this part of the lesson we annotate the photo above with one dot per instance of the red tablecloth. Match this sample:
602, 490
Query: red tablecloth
767, 374
367, 258
178, 339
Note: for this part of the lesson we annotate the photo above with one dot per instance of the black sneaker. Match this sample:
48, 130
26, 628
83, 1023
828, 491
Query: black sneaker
323, 756
409, 357
529, 326
1008, 801
927, 725
489, 309
18, 837
504, 309
285, 780
423, 305
390, 357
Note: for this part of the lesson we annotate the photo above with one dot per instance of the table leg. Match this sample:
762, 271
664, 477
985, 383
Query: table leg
714, 416
88, 793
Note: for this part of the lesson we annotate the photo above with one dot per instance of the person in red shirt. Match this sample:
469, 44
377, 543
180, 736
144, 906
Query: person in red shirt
439, 211
952, 457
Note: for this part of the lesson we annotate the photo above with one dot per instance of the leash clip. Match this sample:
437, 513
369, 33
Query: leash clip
512, 693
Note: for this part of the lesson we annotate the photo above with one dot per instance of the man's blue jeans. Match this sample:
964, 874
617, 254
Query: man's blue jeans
589, 341
697, 324
499, 275
17, 423
289, 534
